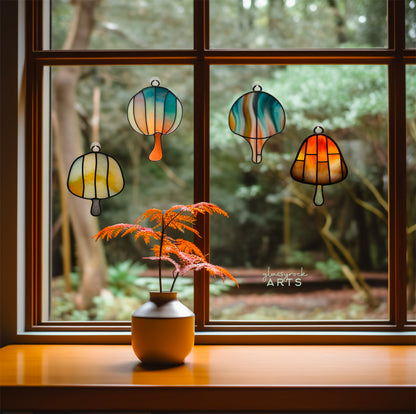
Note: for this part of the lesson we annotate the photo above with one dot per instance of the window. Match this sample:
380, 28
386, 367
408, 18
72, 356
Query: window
296, 24
347, 258
290, 270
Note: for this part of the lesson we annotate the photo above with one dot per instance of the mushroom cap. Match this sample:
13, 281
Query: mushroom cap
95, 175
256, 115
319, 161
154, 110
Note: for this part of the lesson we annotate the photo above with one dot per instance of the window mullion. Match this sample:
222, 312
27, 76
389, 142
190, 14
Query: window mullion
201, 153
397, 165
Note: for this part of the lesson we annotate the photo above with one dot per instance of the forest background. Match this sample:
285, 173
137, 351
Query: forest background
342, 246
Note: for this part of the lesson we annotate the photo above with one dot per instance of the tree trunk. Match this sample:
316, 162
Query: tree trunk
67, 139
339, 22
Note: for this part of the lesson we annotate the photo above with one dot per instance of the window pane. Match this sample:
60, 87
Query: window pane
296, 261
281, 24
411, 189
410, 24
88, 282
124, 24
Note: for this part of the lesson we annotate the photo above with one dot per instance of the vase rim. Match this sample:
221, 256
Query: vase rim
158, 294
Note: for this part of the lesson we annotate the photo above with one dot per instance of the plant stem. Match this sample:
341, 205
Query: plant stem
160, 252
161, 247
175, 276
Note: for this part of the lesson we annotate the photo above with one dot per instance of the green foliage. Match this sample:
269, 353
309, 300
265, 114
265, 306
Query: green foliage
75, 279
330, 268
130, 24
121, 299
63, 309
280, 24
411, 93
126, 292
300, 258
109, 308
337, 97
62, 14
349, 101
122, 277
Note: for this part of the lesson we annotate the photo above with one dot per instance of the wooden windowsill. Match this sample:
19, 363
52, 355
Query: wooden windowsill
214, 377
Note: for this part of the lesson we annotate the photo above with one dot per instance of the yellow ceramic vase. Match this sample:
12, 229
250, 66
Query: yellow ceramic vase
162, 330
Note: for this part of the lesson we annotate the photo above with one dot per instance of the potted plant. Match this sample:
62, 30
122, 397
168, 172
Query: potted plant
163, 328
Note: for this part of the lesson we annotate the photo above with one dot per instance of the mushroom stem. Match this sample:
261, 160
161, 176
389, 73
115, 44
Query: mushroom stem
318, 198
256, 158
256, 149
156, 153
95, 207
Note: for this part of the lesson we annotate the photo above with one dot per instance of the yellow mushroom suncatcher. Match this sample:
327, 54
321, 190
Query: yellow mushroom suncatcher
95, 176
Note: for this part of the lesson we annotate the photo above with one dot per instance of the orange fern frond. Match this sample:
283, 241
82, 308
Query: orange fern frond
115, 230
189, 262
178, 248
147, 234
166, 259
153, 214
182, 227
180, 207
174, 216
123, 229
220, 271
132, 229
204, 207
167, 248
186, 246
179, 220
184, 255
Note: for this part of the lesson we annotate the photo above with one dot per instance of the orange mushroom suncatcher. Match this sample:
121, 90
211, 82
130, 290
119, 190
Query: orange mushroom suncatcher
319, 162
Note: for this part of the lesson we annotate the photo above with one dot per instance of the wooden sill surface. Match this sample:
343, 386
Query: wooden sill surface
214, 377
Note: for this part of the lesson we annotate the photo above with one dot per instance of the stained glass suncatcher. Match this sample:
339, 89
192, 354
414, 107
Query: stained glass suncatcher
319, 162
95, 176
155, 111
256, 116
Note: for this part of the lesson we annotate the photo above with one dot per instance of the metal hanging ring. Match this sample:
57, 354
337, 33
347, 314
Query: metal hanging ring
315, 130
257, 86
95, 147
155, 82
